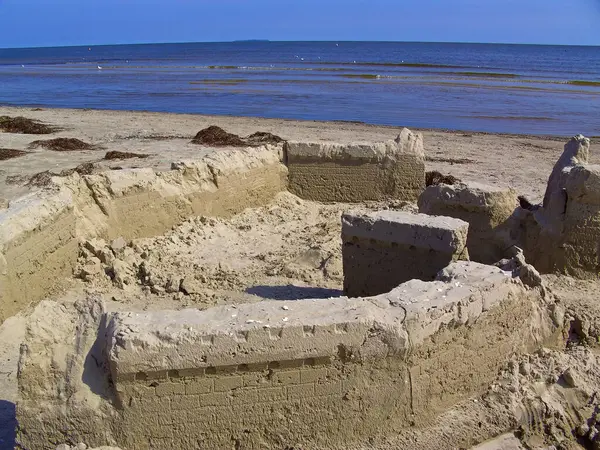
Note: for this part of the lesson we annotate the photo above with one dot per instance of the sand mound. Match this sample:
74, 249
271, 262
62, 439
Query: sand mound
114, 154
24, 125
217, 136
9, 153
63, 145
434, 178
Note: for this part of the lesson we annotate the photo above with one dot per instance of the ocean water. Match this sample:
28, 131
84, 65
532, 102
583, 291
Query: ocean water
546, 90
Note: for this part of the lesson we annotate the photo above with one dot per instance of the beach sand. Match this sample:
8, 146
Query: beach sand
278, 251
517, 161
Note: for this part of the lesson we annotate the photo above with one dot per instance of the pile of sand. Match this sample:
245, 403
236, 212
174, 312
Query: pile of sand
289, 249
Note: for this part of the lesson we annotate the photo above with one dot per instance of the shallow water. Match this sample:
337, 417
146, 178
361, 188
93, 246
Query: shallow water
479, 87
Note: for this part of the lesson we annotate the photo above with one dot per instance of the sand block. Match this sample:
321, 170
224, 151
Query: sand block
38, 247
577, 250
487, 209
568, 223
576, 152
357, 172
334, 371
386, 248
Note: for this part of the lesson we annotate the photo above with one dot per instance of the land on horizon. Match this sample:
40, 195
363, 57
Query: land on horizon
242, 41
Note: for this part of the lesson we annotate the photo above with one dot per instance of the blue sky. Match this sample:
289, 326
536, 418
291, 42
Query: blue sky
30, 23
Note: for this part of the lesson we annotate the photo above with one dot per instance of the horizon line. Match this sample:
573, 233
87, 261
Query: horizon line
288, 41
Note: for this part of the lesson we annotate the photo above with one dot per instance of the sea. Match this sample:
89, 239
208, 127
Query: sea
523, 89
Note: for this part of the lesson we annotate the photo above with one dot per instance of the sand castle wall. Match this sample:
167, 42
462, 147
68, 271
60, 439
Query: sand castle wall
38, 245
380, 250
487, 209
309, 373
357, 172
569, 236
39, 234
563, 234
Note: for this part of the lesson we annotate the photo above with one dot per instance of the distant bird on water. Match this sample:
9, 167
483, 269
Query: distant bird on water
99, 68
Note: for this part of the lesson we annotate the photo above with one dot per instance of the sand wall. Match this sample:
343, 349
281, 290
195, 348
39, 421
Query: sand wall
39, 234
38, 246
310, 373
380, 250
487, 209
357, 172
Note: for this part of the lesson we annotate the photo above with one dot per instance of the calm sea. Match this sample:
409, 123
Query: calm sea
479, 87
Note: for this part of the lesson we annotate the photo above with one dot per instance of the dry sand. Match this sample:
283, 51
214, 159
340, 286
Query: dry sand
291, 249
521, 162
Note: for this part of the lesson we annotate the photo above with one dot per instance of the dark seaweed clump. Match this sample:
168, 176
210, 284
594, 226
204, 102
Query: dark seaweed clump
44, 178
23, 125
263, 137
63, 145
9, 153
434, 178
217, 137
114, 154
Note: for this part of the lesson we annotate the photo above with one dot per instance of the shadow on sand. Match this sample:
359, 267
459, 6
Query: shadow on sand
291, 292
8, 425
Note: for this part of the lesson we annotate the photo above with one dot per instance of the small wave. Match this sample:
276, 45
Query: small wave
583, 83
227, 81
400, 64
223, 67
513, 118
486, 74
366, 76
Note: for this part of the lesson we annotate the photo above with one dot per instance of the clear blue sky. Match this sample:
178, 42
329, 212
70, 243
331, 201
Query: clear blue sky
30, 23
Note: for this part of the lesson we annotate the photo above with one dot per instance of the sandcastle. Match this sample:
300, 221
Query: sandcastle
307, 373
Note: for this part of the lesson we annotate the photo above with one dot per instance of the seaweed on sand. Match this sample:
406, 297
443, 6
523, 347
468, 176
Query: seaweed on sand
23, 125
63, 145
217, 137
434, 178
115, 154
9, 153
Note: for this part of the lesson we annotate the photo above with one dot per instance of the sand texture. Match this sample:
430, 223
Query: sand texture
291, 249
520, 162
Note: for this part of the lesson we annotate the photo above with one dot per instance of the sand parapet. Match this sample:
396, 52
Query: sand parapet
383, 249
358, 172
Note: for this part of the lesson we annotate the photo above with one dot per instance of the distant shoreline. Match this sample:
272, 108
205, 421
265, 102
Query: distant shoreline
277, 41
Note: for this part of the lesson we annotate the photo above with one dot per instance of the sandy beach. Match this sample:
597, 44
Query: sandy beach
290, 249
520, 162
